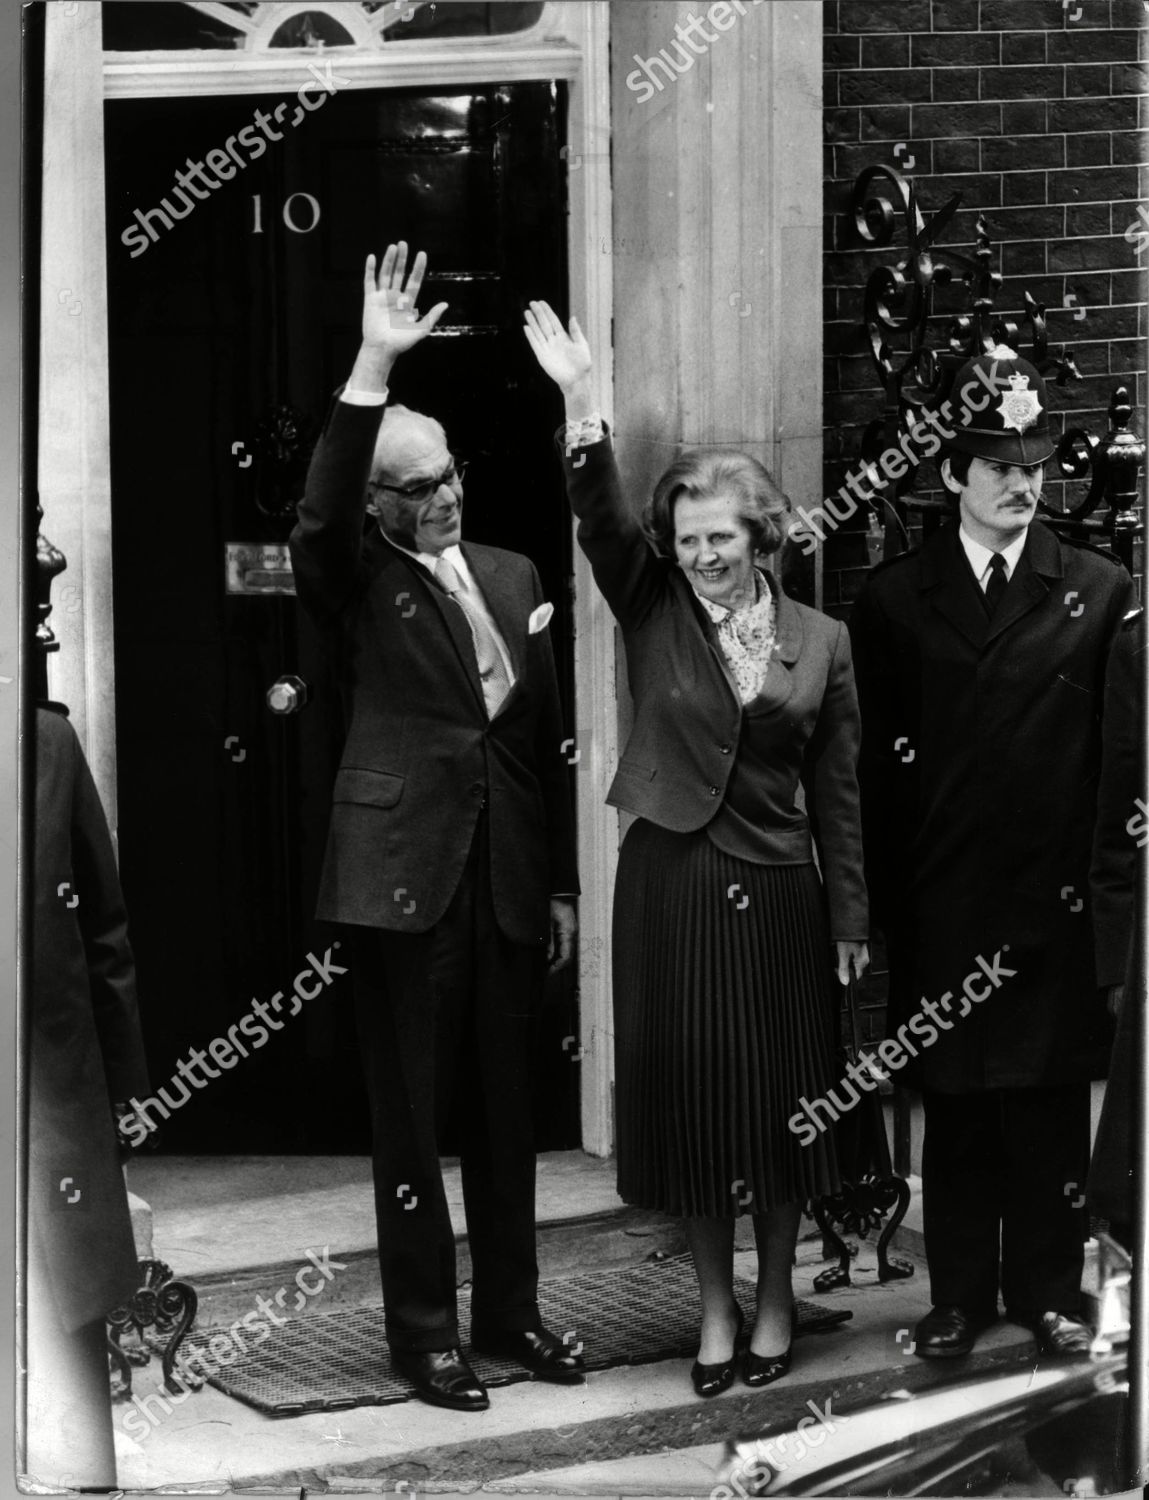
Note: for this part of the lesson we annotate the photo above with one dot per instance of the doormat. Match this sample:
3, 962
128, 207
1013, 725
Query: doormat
630, 1316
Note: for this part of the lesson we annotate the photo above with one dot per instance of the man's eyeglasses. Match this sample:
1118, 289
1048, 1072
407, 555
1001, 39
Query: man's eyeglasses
417, 493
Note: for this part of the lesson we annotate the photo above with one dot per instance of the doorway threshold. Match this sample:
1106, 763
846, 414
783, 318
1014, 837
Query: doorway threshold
235, 1226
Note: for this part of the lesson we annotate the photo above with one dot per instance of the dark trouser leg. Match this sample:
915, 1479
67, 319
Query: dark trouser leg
497, 1154
443, 1020
1045, 1154
961, 1197
499, 1195
398, 1024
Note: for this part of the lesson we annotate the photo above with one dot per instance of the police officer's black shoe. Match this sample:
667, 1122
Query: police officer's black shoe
1058, 1335
947, 1331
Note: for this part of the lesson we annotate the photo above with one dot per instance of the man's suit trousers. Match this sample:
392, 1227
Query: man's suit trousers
444, 1021
1003, 1186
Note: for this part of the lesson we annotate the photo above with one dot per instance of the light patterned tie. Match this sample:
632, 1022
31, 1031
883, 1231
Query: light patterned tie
492, 671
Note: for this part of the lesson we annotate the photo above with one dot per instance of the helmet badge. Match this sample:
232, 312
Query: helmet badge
1020, 407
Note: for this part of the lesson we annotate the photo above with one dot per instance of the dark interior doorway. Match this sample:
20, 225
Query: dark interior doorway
229, 330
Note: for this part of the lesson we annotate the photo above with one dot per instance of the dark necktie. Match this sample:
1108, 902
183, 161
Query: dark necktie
492, 672
995, 587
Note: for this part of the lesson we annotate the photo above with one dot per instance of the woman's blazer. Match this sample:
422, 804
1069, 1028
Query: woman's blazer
688, 716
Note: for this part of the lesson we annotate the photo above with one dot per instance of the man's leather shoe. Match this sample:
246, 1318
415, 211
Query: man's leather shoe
947, 1331
443, 1377
1058, 1335
540, 1352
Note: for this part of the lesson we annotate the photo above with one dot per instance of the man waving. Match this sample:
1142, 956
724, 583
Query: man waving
451, 852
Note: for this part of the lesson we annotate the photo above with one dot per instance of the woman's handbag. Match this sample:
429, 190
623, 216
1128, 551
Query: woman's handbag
870, 1186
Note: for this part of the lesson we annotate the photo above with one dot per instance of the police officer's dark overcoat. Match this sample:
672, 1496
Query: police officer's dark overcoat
980, 759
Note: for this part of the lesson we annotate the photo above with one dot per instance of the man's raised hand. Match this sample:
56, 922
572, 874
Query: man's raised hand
565, 356
391, 322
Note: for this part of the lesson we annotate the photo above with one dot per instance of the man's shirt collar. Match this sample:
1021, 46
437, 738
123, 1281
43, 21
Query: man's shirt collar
454, 556
979, 556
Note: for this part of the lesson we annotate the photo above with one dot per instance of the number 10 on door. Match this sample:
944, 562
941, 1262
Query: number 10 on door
292, 217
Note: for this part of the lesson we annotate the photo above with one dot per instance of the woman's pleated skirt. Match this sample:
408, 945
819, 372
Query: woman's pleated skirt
724, 1021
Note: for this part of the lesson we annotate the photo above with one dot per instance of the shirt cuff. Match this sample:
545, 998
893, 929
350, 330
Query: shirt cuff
584, 432
363, 398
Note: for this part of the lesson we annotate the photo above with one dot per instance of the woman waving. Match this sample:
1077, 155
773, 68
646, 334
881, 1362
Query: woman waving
725, 932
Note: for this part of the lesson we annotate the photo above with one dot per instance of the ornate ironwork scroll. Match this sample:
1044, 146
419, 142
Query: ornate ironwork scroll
1113, 465
859, 1208
168, 1307
917, 376
871, 1188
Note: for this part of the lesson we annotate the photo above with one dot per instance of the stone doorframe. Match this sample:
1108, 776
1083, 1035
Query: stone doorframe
74, 458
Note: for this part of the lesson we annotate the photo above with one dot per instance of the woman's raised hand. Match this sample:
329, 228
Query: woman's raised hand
391, 322
565, 356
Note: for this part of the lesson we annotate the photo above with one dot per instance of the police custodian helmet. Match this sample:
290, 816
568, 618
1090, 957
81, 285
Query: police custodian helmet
1000, 409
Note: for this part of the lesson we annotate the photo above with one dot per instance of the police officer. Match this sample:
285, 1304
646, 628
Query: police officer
980, 660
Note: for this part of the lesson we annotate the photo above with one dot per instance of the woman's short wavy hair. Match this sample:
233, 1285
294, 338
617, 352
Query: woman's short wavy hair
711, 471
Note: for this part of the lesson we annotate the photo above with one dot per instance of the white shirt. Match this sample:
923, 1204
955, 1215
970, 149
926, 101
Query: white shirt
980, 557
454, 555
363, 398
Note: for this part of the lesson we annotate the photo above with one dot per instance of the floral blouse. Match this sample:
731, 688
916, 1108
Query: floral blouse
746, 637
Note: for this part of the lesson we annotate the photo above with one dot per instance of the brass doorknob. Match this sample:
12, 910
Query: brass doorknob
287, 695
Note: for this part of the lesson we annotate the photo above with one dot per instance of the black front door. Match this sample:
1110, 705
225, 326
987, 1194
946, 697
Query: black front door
233, 316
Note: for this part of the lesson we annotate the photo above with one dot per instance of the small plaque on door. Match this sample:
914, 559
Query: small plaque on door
259, 568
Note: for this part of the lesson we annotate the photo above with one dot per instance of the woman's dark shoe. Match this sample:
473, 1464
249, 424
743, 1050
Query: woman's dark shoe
763, 1369
712, 1380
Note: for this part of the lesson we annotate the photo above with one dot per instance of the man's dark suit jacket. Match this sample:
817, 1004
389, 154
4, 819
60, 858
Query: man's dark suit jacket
421, 754
86, 1049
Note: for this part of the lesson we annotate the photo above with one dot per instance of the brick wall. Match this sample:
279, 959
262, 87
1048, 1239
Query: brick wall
1031, 109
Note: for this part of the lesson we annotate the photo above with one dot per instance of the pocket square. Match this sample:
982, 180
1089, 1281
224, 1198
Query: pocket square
540, 618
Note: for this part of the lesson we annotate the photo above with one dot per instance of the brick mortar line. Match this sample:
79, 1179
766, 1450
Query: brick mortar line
1092, 307
1040, 98
957, 67
1116, 338
987, 135
1022, 31
1005, 171
1018, 135
1040, 203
